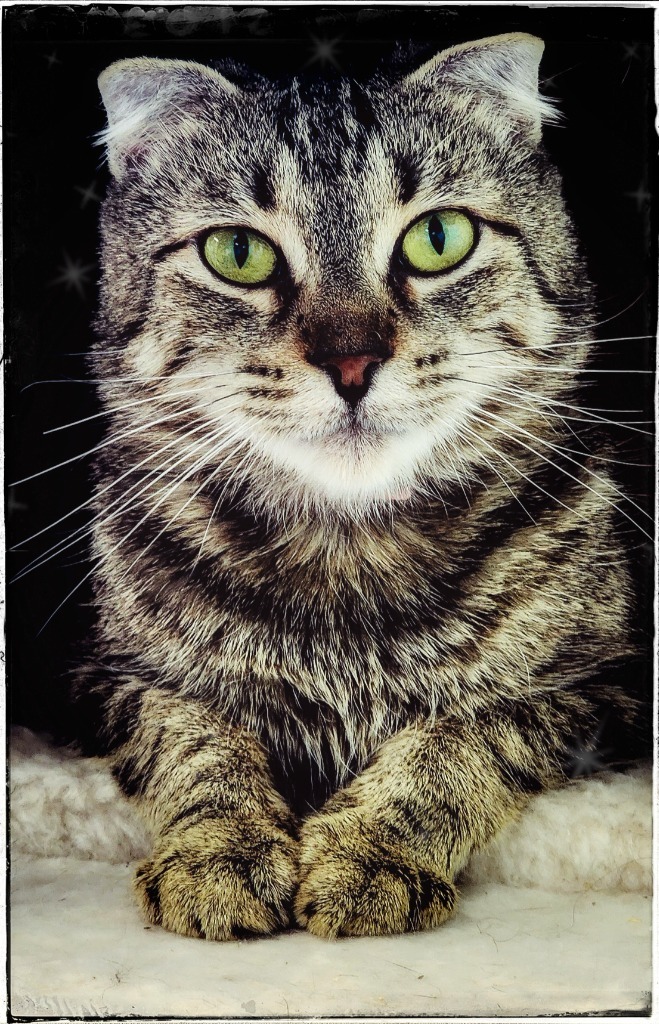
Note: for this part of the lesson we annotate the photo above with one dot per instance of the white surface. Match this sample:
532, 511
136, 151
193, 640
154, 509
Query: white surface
554, 918
78, 948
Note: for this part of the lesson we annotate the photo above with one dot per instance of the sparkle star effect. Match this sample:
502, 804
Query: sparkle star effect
631, 50
74, 275
88, 195
51, 59
324, 51
641, 196
585, 758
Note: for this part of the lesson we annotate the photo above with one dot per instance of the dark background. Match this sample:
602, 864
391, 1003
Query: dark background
598, 64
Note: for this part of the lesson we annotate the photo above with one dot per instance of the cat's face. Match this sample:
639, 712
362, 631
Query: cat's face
341, 282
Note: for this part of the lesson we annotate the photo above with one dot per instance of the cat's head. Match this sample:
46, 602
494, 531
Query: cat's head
328, 290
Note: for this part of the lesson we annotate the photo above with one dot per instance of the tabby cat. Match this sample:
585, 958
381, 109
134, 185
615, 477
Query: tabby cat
359, 587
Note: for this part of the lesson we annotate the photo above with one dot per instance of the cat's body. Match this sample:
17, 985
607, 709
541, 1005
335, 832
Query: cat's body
345, 540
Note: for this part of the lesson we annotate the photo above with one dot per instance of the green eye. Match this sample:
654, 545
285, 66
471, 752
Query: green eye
240, 256
439, 241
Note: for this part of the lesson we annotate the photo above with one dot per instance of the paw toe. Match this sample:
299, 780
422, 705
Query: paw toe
219, 893
371, 899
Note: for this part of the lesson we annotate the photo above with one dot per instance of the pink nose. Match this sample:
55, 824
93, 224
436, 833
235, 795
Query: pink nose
353, 368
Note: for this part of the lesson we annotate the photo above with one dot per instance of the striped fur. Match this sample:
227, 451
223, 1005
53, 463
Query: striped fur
337, 649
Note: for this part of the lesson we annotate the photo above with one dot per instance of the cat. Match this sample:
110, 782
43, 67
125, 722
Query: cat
358, 586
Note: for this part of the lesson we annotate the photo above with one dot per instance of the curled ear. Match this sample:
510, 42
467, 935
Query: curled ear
142, 95
504, 68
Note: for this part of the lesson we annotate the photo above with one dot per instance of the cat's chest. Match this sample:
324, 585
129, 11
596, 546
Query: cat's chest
354, 624
352, 616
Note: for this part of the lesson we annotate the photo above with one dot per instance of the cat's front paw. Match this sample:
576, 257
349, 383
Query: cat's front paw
356, 878
220, 879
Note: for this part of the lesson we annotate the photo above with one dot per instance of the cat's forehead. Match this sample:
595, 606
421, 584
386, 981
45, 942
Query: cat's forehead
347, 151
340, 131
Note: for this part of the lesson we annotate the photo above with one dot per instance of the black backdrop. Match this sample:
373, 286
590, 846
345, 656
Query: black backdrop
598, 64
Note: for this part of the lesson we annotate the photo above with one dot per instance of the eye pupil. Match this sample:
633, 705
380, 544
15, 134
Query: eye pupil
436, 234
240, 248
239, 255
438, 241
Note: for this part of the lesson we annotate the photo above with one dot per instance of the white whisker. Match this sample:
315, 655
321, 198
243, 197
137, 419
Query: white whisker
586, 486
112, 441
586, 342
596, 324
516, 469
503, 480
179, 435
554, 369
112, 410
199, 465
101, 518
589, 413
126, 380
573, 451
104, 558
561, 451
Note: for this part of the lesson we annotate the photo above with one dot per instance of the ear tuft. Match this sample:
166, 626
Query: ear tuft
504, 68
140, 95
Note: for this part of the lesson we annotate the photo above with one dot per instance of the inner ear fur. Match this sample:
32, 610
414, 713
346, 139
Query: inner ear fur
141, 95
503, 68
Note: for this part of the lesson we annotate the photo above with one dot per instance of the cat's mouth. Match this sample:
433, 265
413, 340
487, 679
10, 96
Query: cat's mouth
352, 425
356, 427
357, 435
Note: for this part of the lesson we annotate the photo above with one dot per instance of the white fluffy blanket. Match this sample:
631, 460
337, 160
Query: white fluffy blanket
555, 917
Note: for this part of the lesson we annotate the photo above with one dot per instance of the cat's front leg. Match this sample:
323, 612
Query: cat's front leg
224, 863
382, 855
